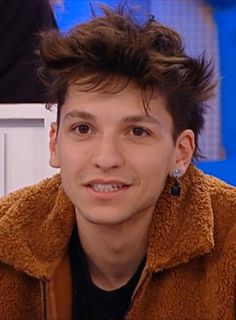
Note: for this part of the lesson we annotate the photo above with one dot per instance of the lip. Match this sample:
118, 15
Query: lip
104, 181
106, 195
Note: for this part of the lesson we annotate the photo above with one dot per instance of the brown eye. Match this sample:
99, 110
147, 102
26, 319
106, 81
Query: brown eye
82, 128
138, 131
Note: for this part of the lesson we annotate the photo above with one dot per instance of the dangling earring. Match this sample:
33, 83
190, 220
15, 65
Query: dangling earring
175, 189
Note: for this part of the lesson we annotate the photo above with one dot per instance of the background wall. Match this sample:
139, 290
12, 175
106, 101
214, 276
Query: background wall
193, 20
224, 14
75, 11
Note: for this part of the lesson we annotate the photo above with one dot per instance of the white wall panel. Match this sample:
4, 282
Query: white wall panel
2, 164
24, 155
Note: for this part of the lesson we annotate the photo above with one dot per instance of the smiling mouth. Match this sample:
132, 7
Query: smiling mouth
106, 187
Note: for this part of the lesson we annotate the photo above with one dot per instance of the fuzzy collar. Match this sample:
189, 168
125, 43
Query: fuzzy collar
36, 224
182, 226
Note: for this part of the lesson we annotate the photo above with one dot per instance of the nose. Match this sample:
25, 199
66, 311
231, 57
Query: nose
107, 154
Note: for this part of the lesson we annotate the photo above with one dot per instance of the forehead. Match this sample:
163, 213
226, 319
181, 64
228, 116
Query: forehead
130, 99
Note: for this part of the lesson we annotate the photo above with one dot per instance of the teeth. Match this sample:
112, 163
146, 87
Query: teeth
106, 187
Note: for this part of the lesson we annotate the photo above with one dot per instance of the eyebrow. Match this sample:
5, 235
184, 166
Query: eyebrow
141, 118
134, 118
80, 114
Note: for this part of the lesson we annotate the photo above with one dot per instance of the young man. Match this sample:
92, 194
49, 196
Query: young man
130, 229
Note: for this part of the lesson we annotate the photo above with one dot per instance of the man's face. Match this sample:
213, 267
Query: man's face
114, 159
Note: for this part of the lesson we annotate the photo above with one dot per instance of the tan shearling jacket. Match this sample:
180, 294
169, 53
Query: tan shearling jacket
191, 258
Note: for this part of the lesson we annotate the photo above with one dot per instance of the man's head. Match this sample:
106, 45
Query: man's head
130, 107
113, 50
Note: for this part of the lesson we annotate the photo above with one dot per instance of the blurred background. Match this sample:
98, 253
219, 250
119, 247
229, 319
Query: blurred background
207, 26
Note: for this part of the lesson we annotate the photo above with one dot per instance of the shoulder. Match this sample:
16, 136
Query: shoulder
222, 195
42, 192
223, 198
223, 204
219, 196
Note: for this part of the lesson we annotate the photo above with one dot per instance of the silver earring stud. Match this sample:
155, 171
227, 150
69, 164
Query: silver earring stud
176, 173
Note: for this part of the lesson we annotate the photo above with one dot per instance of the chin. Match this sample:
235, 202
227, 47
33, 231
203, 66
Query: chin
109, 218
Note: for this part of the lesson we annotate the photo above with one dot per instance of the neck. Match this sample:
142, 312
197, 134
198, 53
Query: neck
113, 252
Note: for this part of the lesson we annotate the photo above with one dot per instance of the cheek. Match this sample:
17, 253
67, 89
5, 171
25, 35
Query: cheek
155, 178
72, 157
153, 164
153, 171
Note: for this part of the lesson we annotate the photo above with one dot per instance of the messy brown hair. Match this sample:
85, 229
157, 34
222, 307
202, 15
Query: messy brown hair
113, 49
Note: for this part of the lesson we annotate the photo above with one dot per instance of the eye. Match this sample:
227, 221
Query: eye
138, 131
82, 128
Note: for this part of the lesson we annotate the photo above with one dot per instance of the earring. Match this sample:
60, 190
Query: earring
176, 189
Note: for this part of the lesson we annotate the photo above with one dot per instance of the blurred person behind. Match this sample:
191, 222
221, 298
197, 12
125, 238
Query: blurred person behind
21, 22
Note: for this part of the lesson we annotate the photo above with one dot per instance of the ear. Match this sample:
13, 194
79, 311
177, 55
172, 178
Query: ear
53, 161
185, 146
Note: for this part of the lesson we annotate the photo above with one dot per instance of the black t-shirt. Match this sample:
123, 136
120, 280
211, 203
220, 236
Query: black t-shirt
90, 302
